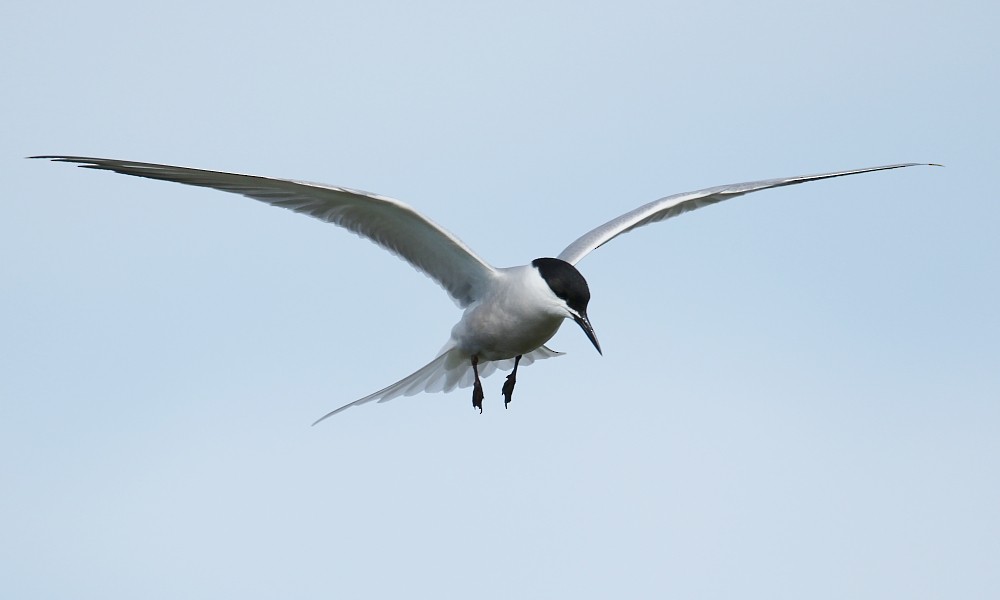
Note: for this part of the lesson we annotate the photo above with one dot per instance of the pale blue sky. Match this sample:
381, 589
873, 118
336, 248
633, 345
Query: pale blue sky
800, 392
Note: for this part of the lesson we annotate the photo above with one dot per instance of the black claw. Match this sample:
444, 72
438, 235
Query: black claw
508, 389
508, 386
477, 396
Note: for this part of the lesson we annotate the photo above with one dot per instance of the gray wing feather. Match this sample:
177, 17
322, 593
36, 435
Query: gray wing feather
389, 223
678, 204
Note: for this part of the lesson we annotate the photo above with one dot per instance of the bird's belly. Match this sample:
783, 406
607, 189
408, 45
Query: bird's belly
497, 334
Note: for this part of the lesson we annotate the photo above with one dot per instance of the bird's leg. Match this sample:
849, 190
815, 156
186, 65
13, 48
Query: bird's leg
477, 387
508, 386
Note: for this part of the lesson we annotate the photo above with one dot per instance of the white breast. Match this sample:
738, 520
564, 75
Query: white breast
518, 314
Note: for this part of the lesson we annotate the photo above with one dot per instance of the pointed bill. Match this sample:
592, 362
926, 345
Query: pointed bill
587, 328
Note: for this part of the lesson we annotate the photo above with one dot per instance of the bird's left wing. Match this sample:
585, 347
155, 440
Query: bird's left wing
671, 206
385, 221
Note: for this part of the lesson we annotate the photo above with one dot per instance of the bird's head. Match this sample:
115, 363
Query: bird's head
569, 286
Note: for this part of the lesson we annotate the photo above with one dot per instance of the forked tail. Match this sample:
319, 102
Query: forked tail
451, 369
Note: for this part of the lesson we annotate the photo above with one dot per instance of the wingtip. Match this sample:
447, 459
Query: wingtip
58, 158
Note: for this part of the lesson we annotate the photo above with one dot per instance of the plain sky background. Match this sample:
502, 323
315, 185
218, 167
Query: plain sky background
800, 392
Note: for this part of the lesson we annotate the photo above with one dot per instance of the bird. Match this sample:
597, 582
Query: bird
508, 313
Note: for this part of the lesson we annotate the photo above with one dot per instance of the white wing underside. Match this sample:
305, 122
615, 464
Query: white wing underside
450, 370
389, 223
678, 204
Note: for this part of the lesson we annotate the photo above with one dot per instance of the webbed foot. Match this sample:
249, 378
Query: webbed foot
508, 386
477, 387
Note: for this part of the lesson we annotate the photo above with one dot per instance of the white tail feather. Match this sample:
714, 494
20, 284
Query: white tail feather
450, 370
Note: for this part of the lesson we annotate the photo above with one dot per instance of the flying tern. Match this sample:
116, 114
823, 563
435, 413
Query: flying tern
509, 313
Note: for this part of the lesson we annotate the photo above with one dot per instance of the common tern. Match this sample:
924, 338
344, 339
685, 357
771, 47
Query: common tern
509, 313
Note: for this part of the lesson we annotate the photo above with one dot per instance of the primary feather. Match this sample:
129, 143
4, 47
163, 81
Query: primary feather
678, 204
387, 222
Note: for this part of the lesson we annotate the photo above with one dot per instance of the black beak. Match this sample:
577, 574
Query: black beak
585, 325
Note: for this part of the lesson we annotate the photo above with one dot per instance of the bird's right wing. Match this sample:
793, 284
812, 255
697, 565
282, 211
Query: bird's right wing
678, 204
385, 221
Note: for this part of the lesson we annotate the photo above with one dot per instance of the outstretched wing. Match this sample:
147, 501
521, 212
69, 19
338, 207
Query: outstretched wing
671, 206
387, 222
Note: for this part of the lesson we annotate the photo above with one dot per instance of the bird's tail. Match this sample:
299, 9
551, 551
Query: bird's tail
451, 369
